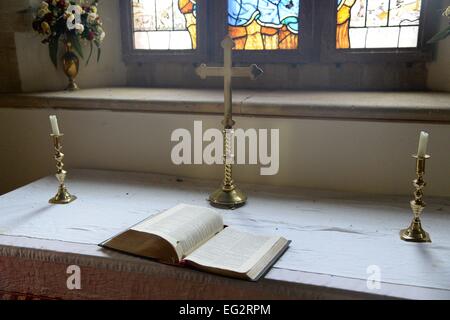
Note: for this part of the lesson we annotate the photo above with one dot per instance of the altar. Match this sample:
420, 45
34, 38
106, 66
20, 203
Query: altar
341, 242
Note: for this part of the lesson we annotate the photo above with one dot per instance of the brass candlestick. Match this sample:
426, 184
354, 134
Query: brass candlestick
415, 232
228, 196
63, 196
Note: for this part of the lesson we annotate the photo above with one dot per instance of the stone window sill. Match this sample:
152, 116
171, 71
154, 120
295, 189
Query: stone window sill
368, 106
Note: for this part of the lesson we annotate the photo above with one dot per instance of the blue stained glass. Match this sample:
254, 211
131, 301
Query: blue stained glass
268, 13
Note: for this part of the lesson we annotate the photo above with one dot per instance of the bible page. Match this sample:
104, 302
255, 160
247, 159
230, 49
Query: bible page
185, 227
233, 250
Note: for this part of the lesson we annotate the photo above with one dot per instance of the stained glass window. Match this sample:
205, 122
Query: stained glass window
377, 24
165, 24
264, 24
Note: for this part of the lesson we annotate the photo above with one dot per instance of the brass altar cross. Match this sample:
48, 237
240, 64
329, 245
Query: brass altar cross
228, 72
228, 196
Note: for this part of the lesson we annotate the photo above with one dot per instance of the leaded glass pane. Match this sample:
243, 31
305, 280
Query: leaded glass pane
165, 24
264, 24
377, 23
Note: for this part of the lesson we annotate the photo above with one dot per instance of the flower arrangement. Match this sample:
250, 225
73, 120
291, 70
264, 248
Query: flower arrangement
443, 33
72, 22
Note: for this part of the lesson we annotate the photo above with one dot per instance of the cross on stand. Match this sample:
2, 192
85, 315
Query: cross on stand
228, 196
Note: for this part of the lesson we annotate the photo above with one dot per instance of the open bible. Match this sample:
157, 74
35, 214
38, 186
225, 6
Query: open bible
197, 237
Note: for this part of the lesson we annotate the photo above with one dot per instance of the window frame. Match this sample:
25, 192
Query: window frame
316, 45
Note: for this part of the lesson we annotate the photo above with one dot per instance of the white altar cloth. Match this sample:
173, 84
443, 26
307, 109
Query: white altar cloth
335, 236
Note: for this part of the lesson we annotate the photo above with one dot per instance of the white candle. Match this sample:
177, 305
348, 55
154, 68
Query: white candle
54, 123
423, 144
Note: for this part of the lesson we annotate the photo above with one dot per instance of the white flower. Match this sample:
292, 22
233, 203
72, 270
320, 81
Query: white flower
102, 36
92, 17
42, 12
79, 27
44, 5
43, 9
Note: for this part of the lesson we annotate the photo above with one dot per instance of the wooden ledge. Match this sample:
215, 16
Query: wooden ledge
373, 106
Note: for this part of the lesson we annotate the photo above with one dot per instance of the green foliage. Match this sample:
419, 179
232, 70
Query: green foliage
99, 50
441, 35
75, 41
90, 52
53, 50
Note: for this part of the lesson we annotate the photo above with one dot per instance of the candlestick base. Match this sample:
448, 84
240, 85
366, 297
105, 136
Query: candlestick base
62, 197
415, 233
229, 199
